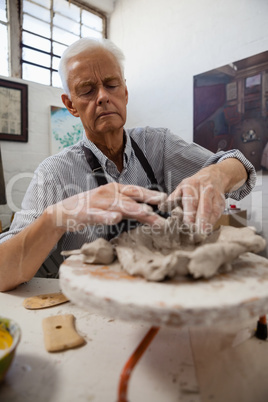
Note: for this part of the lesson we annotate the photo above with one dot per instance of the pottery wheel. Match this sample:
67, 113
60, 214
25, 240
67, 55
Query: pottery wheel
236, 295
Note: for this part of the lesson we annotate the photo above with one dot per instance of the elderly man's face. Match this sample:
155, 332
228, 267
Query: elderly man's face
98, 92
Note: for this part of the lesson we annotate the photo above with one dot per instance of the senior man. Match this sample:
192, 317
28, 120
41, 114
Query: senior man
78, 195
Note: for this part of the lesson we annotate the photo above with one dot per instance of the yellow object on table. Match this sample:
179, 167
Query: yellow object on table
9, 338
5, 339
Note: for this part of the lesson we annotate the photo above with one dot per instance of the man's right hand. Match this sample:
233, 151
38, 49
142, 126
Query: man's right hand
108, 205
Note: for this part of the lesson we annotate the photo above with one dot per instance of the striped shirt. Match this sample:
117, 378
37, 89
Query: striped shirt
67, 173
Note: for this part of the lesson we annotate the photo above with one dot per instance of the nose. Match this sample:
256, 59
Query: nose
103, 96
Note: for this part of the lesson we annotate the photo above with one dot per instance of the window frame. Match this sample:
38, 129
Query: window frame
15, 30
4, 23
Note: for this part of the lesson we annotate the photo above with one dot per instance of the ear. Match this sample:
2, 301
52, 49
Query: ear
69, 105
126, 92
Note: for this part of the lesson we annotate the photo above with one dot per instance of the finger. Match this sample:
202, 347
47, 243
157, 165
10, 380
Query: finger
103, 217
190, 201
171, 202
142, 194
141, 212
130, 208
211, 206
89, 217
93, 216
204, 214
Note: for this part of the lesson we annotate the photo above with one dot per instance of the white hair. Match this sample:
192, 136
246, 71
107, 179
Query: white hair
87, 44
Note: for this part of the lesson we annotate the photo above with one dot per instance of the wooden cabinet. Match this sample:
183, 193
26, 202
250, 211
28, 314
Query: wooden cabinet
236, 218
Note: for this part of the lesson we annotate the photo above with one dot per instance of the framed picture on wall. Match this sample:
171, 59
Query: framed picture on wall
13, 111
231, 108
66, 130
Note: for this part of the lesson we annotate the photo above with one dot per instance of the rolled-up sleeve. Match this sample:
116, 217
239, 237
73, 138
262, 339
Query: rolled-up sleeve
247, 187
182, 160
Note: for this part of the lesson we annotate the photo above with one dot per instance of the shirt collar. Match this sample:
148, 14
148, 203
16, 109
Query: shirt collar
100, 155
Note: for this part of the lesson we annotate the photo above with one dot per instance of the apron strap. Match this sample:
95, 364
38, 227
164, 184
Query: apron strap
144, 163
98, 173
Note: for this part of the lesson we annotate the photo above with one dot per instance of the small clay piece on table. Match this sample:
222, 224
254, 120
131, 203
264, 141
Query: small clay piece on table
60, 333
44, 301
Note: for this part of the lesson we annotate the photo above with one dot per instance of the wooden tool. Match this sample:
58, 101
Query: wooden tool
44, 301
60, 333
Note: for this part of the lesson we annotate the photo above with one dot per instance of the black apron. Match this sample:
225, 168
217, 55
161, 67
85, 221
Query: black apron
98, 173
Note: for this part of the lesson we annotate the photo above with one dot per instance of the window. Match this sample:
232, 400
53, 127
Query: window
48, 27
4, 39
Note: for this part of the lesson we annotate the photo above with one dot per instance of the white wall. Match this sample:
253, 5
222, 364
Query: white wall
167, 42
21, 159
106, 6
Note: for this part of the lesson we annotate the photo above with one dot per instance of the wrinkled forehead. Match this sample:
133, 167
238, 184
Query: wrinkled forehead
94, 61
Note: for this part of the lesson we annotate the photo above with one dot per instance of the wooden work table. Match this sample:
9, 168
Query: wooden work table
216, 364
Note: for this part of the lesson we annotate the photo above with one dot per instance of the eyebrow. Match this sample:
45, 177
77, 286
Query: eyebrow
85, 84
111, 78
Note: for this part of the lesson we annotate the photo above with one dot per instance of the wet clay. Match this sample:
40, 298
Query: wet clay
99, 251
157, 252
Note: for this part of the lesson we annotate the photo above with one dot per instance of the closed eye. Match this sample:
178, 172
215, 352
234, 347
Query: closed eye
111, 86
86, 91
111, 82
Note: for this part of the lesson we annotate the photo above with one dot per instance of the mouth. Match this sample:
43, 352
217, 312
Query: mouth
105, 114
